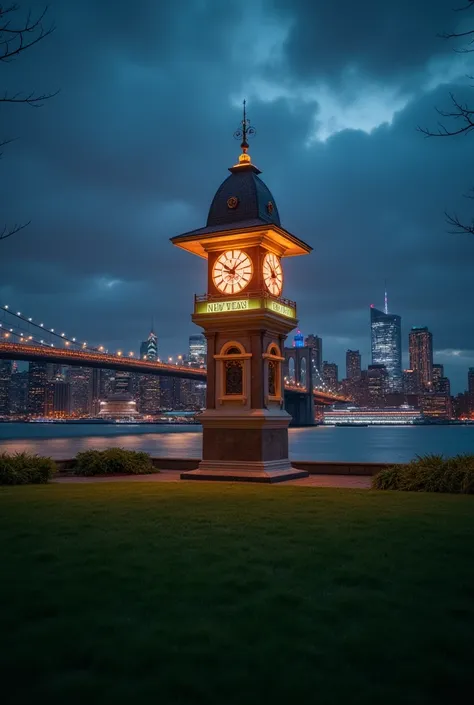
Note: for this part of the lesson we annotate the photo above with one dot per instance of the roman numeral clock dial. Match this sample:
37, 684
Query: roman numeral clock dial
272, 274
232, 271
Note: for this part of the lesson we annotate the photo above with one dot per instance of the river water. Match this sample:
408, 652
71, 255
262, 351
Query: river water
366, 444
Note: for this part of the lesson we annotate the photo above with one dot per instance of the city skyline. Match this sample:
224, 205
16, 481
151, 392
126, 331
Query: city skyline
346, 129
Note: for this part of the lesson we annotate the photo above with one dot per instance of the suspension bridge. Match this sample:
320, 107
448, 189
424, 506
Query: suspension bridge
25, 338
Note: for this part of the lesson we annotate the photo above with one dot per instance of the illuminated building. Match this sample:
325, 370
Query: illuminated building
436, 405
354, 416
386, 345
470, 389
197, 350
421, 354
411, 382
149, 401
19, 393
122, 382
316, 344
80, 379
5, 386
149, 347
298, 339
37, 383
119, 406
61, 396
438, 373
353, 364
330, 375
377, 385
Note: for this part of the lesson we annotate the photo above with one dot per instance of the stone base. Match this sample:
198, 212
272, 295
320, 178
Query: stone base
234, 471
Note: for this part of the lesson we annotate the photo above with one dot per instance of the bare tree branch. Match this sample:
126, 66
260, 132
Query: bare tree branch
459, 228
36, 101
15, 39
461, 113
8, 232
461, 117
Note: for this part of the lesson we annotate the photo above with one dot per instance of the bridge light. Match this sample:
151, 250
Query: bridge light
170, 359
62, 335
30, 319
41, 341
5, 307
101, 348
67, 342
73, 340
52, 330
41, 325
18, 313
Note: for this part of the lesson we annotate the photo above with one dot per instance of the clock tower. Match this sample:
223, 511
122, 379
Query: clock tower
246, 321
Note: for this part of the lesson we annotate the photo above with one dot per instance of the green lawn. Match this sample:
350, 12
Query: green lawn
219, 594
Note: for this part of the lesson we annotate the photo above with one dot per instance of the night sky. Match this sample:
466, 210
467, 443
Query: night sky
140, 137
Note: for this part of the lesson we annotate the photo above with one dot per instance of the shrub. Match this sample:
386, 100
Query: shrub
25, 469
113, 461
430, 473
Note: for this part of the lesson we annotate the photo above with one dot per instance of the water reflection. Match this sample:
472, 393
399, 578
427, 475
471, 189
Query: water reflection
368, 444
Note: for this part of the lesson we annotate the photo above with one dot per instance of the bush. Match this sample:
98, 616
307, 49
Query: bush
25, 469
113, 461
430, 473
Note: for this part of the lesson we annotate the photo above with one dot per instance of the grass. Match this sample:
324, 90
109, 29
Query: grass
189, 594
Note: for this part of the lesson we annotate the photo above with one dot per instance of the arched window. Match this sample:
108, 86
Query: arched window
272, 377
303, 380
234, 375
291, 370
273, 372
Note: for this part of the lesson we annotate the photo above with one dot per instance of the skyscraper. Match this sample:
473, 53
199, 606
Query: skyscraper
37, 384
80, 379
298, 339
386, 344
5, 386
421, 354
197, 350
470, 388
19, 392
149, 347
377, 384
353, 364
316, 344
330, 375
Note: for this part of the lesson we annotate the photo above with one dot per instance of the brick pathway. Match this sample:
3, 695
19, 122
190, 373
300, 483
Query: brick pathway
348, 481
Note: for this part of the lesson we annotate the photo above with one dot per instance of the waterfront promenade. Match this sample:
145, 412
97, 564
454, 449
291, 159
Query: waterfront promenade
338, 481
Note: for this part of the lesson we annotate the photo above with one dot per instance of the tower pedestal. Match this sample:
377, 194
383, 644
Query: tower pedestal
245, 447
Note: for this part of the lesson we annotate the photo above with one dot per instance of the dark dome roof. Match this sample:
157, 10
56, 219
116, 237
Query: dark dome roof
242, 197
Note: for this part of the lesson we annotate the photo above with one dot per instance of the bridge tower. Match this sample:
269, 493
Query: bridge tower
298, 372
246, 321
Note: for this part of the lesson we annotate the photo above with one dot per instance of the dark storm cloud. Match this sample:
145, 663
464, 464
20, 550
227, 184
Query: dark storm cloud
132, 150
383, 40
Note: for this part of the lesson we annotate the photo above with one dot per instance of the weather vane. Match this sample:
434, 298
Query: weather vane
243, 133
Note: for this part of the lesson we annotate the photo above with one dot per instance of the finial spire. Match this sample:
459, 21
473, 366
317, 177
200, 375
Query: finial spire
243, 133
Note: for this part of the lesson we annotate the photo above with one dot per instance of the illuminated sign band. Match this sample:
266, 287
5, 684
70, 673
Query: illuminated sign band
283, 310
245, 305
219, 306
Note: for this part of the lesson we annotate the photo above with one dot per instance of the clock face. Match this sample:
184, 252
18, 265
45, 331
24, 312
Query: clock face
232, 271
272, 274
